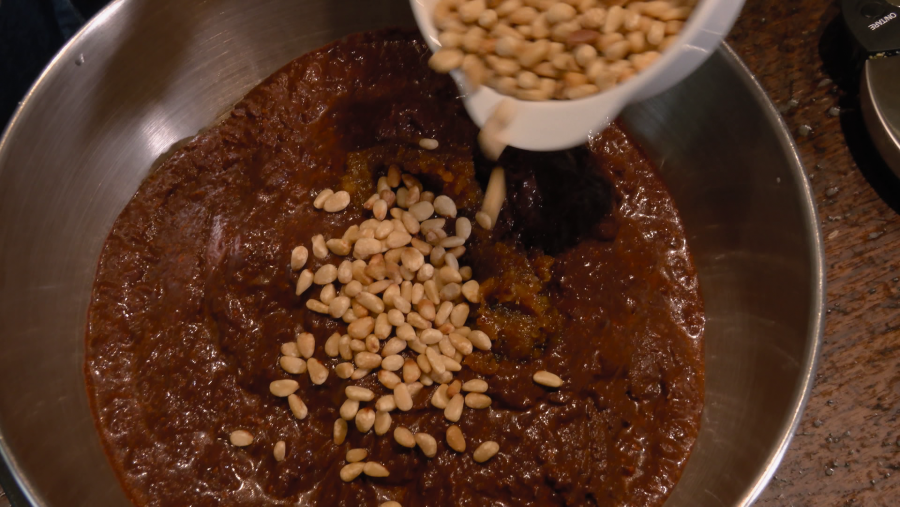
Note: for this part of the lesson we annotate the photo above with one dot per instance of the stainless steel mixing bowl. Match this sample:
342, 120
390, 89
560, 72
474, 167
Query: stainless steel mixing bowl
147, 73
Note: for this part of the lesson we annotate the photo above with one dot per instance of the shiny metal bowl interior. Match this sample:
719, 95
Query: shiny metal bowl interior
145, 74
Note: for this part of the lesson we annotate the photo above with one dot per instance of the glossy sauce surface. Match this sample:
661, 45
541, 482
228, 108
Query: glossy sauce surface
587, 276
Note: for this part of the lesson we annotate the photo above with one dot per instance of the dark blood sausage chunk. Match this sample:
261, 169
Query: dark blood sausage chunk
586, 274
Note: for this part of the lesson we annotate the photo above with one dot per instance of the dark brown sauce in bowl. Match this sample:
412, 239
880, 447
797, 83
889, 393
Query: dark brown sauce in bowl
587, 275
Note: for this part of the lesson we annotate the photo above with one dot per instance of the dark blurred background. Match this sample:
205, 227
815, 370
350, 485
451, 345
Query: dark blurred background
31, 31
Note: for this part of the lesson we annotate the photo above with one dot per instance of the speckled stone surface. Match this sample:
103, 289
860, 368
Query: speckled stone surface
847, 449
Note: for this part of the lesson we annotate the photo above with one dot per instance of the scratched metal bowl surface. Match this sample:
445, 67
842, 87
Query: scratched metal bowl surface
145, 74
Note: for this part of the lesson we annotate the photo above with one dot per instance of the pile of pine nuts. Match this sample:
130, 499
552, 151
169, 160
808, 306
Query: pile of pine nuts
554, 49
405, 299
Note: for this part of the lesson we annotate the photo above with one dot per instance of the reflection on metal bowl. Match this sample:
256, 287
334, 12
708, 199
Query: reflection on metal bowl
146, 74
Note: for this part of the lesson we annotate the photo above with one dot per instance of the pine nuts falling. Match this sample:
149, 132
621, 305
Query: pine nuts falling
527, 51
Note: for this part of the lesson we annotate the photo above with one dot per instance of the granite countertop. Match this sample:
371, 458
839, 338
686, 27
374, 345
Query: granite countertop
846, 451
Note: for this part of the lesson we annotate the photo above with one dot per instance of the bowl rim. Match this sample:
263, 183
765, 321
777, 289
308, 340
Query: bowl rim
816, 316
19, 491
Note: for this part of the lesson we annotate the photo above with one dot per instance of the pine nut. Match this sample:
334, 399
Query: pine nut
480, 340
427, 443
470, 11
283, 388
367, 360
411, 371
459, 315
306, 344
323, 196
388, 379
340, 432
545, 378
386, 403
439, 398
338, 306
349, 409
657, 33
454, 408
483, 219
422, 361
478, 400
319, 249
292, 365
393, 362
352, 471
325, 274
366, 247
446, 347
379, 209
299, 255
391, 504
382, 422
344, 370
359, 373
404, 437
393, 347
317, 306
372, 302
523, 15
426, 272
359, 393
298, 408
278, 452
443, 313
290, 349
475, 386
356, 455
454, 388
615, 17
361, 328
432, 144
414, 388
422, 210
430, 336
344, 347
418, 292
460, 343
374, 469
336, 202
358, 345
305, 281
402, 397
417, 321
455, 438
327, 295
318, 373
365, 419
486, 451
471, 291
240, 438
